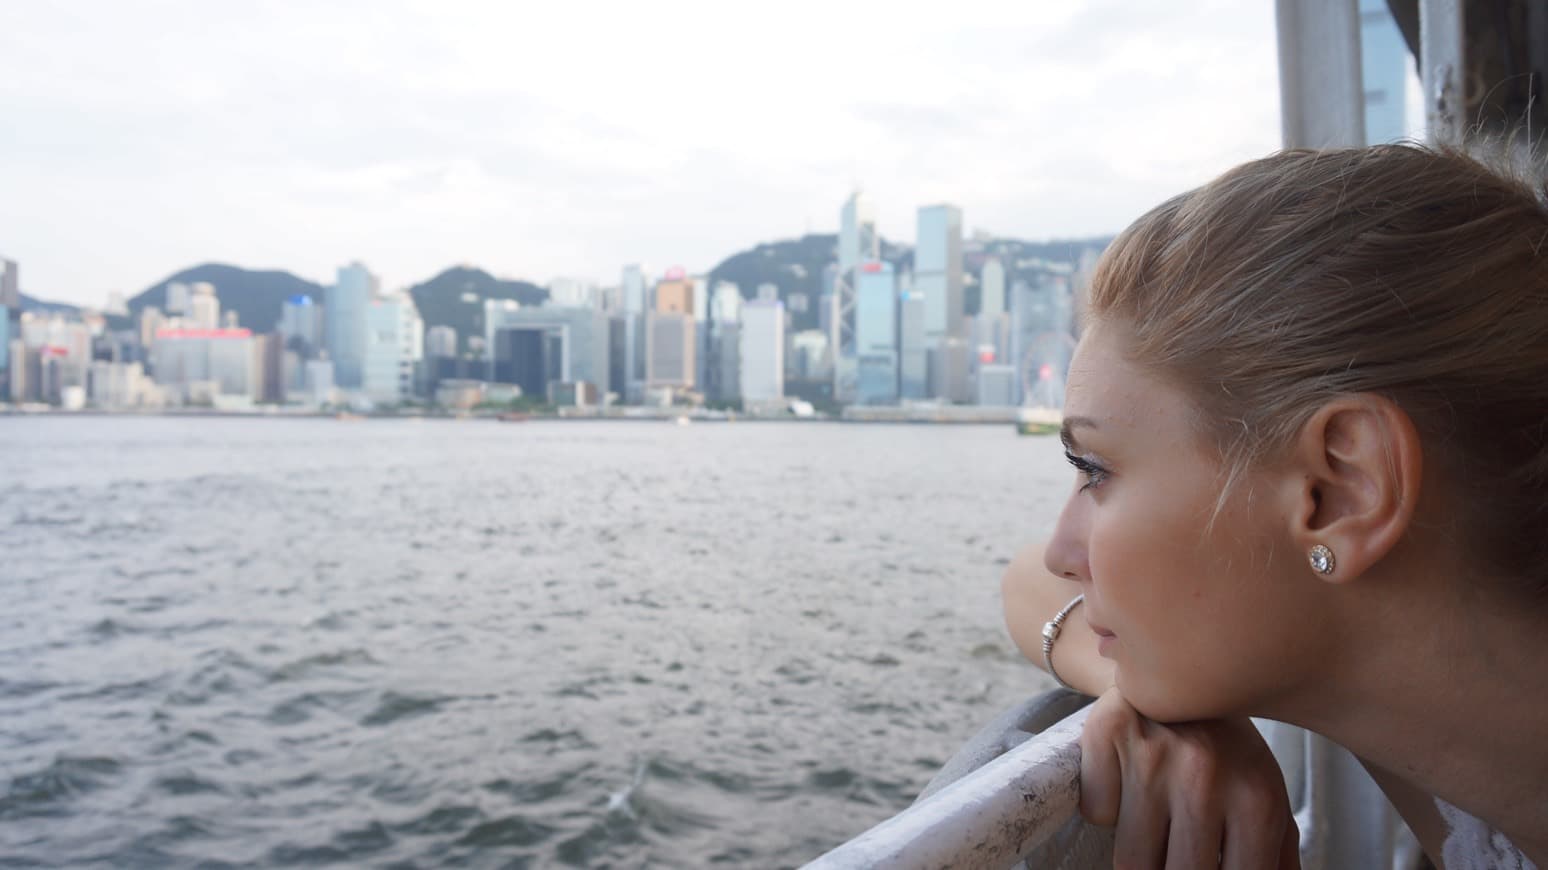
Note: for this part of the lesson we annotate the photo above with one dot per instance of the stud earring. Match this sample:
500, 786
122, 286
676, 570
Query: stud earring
1322, 560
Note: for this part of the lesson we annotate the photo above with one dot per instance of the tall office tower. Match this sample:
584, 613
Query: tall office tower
570, 293
671, 334
858, 243
204, 307
151, 322
10, 285
395, 347
1383, 72
670, 344
674, 293
538, 347
636, 302
178, 297
346, 308
301, 325
701, 298
938, 271
810, 349
726, 303
726, 366
25, 370
186, 360
996, 385
914, 354
876, 333
762, 352
991, 299
634, 284
268, 368
440, 341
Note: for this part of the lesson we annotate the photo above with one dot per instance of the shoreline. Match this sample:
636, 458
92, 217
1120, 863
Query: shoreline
870, 417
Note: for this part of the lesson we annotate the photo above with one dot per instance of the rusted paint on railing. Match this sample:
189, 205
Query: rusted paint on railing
993, 817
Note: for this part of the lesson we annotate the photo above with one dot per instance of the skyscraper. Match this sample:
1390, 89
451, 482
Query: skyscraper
633, 288
674, 293
913, 353
301, 325
670, 344
395, 347
178, 297
762, 352
204, 307
857, 232
574, 343
938, 270
10, 285
991, 299
345, 320
876, 333
858, 243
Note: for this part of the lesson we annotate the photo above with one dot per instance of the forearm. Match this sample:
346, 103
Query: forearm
1032, 596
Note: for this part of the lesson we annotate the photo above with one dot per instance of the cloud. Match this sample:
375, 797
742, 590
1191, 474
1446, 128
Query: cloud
540, 140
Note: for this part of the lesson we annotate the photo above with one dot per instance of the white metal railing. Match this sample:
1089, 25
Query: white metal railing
992, 817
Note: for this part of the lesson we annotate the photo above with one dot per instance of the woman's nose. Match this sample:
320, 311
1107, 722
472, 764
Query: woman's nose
1065, 555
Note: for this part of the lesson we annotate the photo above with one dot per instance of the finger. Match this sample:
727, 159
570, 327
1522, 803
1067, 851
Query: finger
1290, 847
1100, 781
1252, 844
1194, 841
1143, 822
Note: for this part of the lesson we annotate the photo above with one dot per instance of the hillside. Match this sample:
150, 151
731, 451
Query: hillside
256, 296
456, 297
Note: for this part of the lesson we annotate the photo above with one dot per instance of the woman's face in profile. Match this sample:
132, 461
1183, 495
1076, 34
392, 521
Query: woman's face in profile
1200, 619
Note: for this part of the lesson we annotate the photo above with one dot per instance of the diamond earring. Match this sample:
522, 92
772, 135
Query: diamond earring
1322, 560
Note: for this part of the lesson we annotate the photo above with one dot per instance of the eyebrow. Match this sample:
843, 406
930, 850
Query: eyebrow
1067, 431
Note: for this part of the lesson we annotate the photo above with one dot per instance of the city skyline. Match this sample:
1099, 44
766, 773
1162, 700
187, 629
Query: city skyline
542, 146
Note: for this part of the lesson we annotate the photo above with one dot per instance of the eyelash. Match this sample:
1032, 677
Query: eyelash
1095, 474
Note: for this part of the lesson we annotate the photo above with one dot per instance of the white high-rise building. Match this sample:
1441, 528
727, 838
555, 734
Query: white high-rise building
441, 341
726, 305
938, 270
991, 299
857, 232
762, 352
858, 243
178, 297
570, 293
394, 348
204, 307
346, 308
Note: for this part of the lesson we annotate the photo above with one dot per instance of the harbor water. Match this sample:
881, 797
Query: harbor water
278, 642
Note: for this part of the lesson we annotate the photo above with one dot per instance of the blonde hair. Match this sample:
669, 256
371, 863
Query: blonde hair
1416, 273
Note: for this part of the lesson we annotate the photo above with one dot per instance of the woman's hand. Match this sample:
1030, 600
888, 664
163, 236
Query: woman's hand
1198, 794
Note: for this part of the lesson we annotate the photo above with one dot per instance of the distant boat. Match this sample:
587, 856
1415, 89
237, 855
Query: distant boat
682, 421
1038, 421
514, 417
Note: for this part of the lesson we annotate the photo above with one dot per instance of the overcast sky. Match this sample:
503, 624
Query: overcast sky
566, 139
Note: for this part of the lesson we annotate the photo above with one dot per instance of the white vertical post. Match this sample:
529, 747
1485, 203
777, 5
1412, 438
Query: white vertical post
1442, 62
1322, 99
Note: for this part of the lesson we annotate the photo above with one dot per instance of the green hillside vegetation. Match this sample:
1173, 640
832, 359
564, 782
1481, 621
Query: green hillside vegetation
456, 297
256, 296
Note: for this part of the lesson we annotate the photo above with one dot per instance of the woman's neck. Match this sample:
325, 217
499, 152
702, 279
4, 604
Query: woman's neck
1449, 693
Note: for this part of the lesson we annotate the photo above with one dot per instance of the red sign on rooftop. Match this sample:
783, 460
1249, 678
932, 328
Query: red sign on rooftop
873, 266
204, 333
676, 273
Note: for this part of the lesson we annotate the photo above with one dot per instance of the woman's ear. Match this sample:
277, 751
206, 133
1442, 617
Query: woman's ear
1359, 465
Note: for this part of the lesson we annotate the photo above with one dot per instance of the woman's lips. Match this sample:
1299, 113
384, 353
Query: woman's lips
1105, 638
